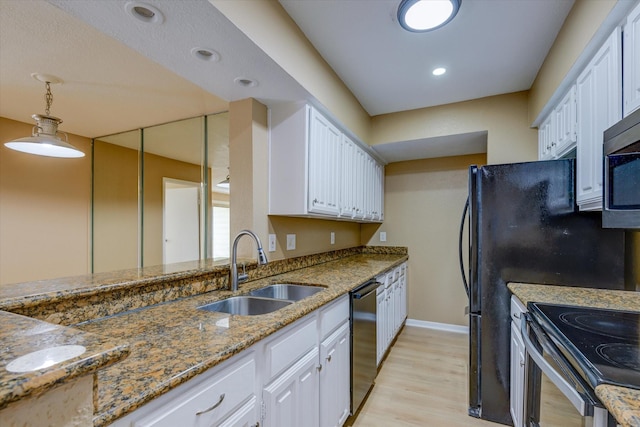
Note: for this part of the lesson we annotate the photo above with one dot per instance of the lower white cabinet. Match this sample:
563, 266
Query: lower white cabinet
335, 377
391, 298
292, 398
518, 354
280, 381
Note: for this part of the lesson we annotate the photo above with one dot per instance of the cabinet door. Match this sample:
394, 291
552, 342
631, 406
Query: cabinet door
517, 376
599, 106
292, 399
335, 378
347, 178
545, 139
324, 165
360, 167
631, 62
381, 322
565, 124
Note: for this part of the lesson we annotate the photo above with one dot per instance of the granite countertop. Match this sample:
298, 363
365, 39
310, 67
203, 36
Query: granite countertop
171, 342
21, 335
622, 402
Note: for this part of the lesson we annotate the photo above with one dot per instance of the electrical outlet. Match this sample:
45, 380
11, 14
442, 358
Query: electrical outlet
272, 242
291, 242
383, 236
333, 238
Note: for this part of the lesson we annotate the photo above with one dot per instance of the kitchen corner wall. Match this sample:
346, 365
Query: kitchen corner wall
43, 196
424, 200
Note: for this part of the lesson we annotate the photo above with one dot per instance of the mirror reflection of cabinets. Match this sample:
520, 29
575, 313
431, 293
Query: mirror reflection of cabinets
155, 199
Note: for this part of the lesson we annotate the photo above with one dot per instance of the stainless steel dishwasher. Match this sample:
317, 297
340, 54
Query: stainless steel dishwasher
363, 342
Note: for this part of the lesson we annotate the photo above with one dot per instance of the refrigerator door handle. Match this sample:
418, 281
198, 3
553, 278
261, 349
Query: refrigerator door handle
464, 276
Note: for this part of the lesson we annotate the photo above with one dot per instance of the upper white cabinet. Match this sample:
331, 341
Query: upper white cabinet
631, 62
557, 133
316, 170
599, 89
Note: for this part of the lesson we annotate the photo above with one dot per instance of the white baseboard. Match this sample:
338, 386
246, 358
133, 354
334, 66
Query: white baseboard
439, 326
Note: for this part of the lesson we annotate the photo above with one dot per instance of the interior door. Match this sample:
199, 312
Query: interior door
181, 239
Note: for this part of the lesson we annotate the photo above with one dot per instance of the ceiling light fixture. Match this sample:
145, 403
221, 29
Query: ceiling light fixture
144, 12
439, 71
45, 138
245, 82
426, 15
205, 54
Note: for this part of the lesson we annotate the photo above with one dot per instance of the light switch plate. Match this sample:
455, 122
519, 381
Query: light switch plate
291, 242
383, 236
333, 238
272, 242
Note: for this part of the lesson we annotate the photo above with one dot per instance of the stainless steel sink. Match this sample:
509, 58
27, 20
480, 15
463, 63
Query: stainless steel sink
286, 291
246, 305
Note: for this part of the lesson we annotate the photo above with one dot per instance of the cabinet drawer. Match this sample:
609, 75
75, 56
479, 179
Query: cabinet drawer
333, 316
226, 391
290, 346
517, 308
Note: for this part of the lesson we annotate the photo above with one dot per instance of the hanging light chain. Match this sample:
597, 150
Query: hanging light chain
48, 97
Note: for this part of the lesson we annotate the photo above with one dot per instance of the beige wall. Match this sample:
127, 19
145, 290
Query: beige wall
581, 24
44, 210
423, 206
505, 117
268, 25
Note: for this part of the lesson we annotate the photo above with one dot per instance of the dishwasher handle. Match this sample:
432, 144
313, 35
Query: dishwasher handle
365, 289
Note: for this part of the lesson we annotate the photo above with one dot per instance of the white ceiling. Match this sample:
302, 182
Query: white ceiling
491, 47
121, 74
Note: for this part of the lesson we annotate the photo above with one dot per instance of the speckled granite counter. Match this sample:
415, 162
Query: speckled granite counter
22, 335
171, 341
623, 403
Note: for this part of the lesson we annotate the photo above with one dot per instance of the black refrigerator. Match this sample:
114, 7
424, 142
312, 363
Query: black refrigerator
524, 226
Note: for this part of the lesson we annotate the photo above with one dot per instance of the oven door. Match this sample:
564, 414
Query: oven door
556, 395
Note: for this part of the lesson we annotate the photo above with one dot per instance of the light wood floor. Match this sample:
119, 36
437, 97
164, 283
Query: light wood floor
423, 383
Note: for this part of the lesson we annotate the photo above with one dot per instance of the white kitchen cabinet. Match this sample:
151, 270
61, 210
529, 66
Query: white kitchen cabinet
392, 308
631, 62
598, 96
546, 140
209, 399
291, 400
518, 366
565, 124
316, 170
335, 399
324, 165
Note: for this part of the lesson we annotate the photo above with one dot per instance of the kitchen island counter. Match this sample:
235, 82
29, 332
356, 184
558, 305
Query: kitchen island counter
172, 341
622, 402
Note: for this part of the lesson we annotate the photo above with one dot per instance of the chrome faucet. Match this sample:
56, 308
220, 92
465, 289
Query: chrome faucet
234, 279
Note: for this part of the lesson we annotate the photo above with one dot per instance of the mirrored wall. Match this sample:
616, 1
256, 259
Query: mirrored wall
155, 194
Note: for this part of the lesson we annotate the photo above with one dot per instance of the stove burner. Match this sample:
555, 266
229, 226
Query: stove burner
625, 356
603, 324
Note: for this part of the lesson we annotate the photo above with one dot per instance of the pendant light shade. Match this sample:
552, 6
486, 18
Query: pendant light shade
45, 139
224, 183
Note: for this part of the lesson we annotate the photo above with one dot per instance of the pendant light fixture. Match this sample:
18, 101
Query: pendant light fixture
224, 184
426, 15
45, 138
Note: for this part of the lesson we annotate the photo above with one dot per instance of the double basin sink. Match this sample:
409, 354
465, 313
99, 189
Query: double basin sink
264, 300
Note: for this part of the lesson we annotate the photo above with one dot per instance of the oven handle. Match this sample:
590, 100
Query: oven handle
583, 403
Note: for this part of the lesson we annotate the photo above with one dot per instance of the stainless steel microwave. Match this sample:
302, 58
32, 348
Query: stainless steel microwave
621, 197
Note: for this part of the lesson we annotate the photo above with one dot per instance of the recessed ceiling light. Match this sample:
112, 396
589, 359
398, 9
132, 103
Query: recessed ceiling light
439, 71
245, 82
426, 15
144, 12
205, 54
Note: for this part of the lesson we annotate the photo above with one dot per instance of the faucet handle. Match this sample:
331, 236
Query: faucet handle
244, 276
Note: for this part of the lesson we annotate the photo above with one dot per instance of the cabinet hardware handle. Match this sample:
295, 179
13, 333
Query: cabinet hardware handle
516, 315
315, 201
218, 403
319, 368
329, 358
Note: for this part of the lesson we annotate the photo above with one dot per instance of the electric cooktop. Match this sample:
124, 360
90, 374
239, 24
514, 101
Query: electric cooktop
603, 345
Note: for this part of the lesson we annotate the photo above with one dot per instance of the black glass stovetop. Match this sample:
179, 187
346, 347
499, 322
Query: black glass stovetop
603, 345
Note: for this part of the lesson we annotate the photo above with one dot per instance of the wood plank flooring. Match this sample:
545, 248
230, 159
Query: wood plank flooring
423, 383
